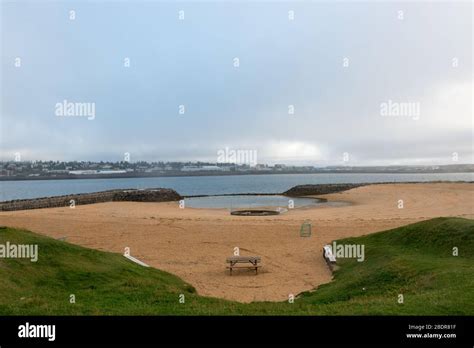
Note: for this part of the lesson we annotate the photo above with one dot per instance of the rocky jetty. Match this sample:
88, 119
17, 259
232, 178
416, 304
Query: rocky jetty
133, 195
320, 189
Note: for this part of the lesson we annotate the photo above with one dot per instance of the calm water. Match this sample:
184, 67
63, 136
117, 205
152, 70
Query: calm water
206, 185
248, 201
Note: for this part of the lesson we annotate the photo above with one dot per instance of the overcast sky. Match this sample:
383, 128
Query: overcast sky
422, 55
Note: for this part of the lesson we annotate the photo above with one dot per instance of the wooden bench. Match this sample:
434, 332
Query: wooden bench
248, 262
329, 256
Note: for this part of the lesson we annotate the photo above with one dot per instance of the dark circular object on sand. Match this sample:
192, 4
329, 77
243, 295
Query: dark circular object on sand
254, 212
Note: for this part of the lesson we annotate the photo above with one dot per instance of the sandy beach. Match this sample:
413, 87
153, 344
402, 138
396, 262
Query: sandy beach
194, 243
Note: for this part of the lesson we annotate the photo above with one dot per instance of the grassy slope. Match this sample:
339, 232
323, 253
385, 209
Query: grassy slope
415, 260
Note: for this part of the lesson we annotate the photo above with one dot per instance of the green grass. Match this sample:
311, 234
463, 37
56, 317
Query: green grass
414, 260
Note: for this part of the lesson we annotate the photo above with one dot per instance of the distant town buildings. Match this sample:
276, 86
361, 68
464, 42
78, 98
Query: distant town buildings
35, 169
95, 171
57, 168
205, 168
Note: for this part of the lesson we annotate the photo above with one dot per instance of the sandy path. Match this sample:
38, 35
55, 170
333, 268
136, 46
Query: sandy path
193, 243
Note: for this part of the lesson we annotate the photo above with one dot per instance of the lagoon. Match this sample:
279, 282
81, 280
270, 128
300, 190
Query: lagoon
209, 185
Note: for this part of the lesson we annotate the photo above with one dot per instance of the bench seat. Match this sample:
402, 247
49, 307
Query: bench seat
248, 262
244, 266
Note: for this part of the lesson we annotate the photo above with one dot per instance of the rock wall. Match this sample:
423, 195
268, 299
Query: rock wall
148, 195
321, 189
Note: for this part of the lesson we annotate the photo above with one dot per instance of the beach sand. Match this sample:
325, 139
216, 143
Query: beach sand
194, 243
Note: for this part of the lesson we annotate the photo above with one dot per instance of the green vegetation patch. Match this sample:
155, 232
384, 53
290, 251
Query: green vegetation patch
415, 261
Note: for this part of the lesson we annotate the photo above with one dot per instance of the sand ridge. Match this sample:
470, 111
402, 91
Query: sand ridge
194, 243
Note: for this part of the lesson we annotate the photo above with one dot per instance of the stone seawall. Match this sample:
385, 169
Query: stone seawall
148, 195
321, 189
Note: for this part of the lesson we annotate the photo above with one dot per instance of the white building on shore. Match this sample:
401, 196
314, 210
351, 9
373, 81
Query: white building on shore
201, 168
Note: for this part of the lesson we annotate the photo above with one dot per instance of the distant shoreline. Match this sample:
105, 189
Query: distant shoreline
181, 174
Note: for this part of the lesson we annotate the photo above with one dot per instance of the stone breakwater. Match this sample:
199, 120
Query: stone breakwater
322, 189
147, 195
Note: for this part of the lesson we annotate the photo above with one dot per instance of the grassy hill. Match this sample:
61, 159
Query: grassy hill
415, 260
